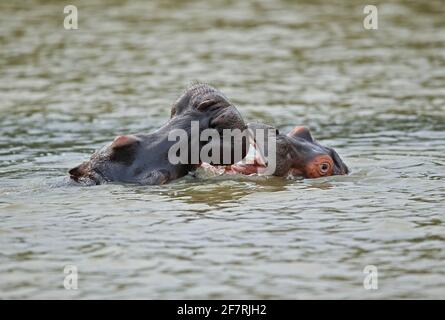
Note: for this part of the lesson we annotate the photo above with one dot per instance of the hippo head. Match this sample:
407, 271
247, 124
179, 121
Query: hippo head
225, 118
144, 158
109, 163
297, 154
204, 98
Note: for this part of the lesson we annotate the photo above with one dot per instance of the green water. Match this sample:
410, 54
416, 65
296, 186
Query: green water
376, 96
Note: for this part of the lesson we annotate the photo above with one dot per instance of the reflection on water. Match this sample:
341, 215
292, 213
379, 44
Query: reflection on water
378, 97
216, 191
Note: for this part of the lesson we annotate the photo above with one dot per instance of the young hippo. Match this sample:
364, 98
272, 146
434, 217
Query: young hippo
296, 154
144, 158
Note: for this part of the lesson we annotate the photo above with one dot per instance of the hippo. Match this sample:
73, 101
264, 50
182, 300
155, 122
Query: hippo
144, 158
297, 154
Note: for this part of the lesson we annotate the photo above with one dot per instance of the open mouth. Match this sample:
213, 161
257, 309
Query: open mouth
255, 164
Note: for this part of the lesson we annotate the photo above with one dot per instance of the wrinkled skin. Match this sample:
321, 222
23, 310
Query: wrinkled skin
297, 154
143, 158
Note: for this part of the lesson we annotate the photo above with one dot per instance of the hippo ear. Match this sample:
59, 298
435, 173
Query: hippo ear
123, 149
204, 105
124, 141
301, 132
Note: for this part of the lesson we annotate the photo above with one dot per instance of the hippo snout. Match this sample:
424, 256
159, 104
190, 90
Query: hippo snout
80, 171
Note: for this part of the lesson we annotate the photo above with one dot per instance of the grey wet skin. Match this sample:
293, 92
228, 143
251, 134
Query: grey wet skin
143, 158
297, 154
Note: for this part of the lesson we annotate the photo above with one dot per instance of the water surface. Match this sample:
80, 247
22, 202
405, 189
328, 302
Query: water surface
378, 97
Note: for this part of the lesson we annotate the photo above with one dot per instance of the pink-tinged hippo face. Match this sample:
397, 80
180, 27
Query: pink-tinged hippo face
297, 154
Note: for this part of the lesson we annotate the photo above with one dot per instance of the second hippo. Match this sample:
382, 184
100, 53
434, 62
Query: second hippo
294, 154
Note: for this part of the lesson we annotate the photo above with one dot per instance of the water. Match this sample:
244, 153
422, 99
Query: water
378, 97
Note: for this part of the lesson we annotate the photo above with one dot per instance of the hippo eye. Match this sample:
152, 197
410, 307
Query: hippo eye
324, 167
321, 166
